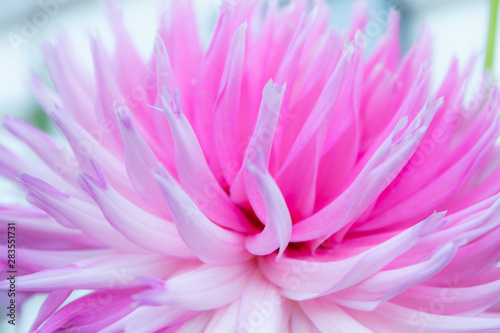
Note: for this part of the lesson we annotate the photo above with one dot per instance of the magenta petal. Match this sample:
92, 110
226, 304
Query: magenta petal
279, 176
392, 155
194, 174
332, 276
225, 109
278, 222
49, 306
90, 313
261, 140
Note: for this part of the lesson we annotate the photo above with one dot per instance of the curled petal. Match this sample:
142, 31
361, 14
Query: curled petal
152, 233
194, 174
211, 243
278, 222
305, 279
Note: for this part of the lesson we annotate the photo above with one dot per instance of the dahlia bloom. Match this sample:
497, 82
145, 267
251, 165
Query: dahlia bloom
276, 182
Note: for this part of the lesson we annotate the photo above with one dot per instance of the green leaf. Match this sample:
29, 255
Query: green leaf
490, 50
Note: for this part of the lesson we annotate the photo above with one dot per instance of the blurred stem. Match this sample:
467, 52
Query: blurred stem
40, 119
490, 51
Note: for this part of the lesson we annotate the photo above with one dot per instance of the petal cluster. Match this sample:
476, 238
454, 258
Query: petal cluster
278, 180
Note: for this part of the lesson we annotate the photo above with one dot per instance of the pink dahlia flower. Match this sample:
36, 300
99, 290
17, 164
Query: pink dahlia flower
276, 182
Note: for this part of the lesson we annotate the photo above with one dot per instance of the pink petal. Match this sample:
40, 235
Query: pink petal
148, 319
377, 173
50, 305
387, 284
211, 243
139, 160
305, 279
224, 319
90, 313
226, 108
278, 222
328, 316
300, 322
153, 233
201, 289
194, 174
262, 308
74, 214
115, 271
196, 324
261, 140
393, 317
60, 159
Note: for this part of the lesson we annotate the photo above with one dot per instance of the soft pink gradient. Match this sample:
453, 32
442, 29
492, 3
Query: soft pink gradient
276, 182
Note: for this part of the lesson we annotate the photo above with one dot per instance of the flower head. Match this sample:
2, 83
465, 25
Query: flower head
277, 181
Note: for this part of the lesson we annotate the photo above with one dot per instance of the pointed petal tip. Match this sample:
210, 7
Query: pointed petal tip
123, 115
152, 282
164, 177
348, 52
274, 87
155, 108
170, 106
89, 184
279, 255
359, 41
39, 185
438, 102
82, 181
433, 223
55, 113
147, 297
160, 47
257, 165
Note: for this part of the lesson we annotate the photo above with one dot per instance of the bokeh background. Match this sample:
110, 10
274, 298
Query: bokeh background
459, 29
